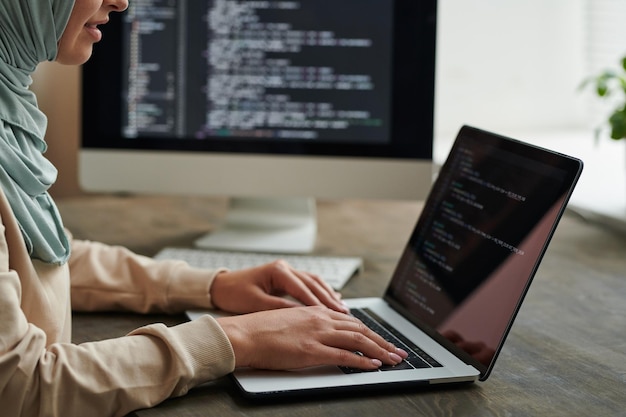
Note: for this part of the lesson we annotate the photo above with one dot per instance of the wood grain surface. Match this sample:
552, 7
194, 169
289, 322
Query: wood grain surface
565, 355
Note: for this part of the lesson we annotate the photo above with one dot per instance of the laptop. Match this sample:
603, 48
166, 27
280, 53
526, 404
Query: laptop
463, 274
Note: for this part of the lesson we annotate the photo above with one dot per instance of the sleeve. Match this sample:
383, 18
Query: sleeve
112, 278
110, 377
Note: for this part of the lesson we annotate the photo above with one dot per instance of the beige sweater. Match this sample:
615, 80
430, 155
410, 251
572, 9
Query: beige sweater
43, 374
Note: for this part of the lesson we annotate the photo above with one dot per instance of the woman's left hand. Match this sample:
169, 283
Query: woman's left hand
265, 287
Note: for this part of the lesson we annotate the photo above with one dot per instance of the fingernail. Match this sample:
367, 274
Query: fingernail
403, 353
377, 363
395, 357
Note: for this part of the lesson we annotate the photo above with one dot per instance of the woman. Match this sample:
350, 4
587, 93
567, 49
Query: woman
44, 273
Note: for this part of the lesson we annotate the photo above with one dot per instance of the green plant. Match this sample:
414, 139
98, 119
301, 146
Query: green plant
609, 84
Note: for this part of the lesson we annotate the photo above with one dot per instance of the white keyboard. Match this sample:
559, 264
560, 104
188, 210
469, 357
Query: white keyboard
336, 270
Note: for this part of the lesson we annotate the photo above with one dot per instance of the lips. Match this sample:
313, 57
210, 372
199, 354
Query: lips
94, 32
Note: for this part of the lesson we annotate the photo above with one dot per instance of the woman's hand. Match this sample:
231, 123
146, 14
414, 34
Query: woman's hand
306, 336
264, 288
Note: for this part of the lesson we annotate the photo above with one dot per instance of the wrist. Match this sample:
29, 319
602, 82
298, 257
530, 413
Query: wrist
238, 338
216, 290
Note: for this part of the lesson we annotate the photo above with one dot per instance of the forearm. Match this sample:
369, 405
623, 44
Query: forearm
113, 278
111, 377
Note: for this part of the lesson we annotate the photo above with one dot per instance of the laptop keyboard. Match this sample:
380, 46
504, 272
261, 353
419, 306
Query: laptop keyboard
417, 357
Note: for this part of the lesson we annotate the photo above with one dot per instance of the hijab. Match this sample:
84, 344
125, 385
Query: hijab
29, 34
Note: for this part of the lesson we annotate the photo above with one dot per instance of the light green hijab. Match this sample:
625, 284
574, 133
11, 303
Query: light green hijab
29, 34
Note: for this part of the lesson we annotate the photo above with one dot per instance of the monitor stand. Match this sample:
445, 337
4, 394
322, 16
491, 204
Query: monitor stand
273, 225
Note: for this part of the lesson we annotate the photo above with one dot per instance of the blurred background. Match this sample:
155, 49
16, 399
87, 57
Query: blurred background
510, 66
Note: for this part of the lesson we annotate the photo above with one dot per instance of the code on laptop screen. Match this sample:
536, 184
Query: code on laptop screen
480, 238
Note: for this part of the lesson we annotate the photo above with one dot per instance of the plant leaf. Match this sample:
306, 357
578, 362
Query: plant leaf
618, 124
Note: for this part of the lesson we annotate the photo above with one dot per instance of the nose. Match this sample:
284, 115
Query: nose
118, 5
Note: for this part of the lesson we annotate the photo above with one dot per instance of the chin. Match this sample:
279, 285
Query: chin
74, 59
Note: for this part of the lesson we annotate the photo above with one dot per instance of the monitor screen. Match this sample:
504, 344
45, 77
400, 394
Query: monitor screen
247, 98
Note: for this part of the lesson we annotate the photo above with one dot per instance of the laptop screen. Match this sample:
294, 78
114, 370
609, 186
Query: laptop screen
479, 240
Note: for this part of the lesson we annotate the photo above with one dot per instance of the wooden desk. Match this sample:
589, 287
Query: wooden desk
565, 356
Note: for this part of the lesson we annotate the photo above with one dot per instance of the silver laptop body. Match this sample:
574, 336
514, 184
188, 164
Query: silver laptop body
464, 272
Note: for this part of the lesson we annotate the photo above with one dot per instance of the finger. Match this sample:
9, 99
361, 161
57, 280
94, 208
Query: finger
322, 283
308, 289
346, 358
303, 288
356, 350
322, 291
355, 336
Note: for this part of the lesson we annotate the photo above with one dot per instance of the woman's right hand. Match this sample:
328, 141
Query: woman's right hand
301, 337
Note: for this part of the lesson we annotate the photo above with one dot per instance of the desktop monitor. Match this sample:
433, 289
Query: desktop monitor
272, 103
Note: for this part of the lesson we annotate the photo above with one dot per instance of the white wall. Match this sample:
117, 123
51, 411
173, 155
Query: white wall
516, 66
509, 65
